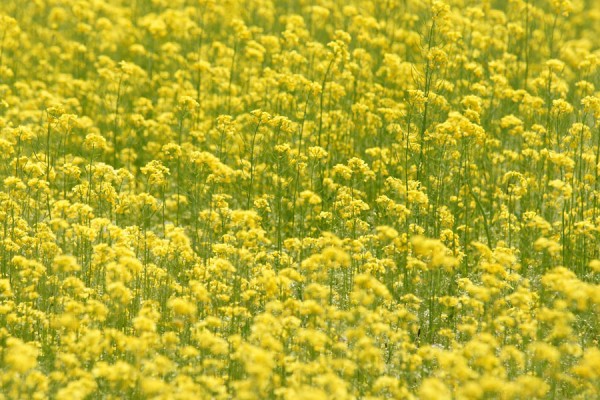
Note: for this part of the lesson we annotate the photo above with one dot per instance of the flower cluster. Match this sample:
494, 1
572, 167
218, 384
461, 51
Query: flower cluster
290, 200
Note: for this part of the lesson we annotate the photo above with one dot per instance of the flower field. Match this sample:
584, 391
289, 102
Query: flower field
321, 199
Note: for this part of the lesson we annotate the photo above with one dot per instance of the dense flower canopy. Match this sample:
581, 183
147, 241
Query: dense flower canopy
320, 199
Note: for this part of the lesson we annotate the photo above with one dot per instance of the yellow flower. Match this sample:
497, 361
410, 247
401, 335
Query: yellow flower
19, 356
65, 263
589, 366
434, 389
94, 141
182, 307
